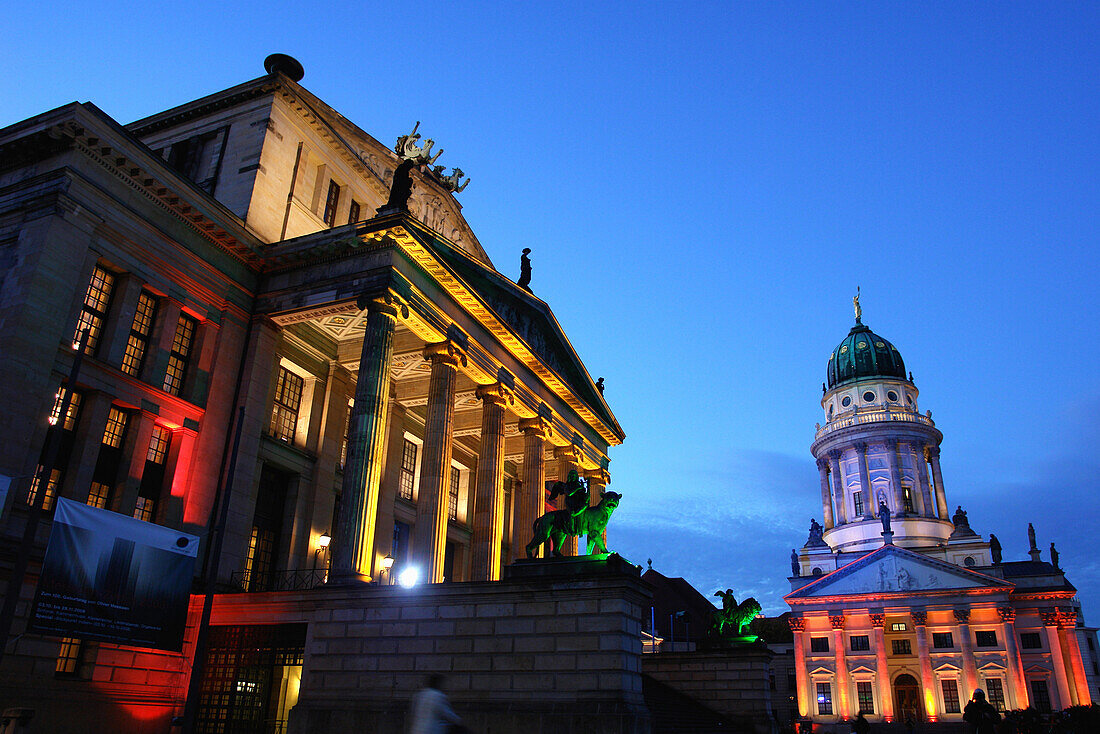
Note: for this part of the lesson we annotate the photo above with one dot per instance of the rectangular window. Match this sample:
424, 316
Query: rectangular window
1031, 641
898, 627
116, 428
901, 647
907, 497
942, 641
140, 330
996, 692
408, 469
68, 656
860, 642
452, 495
71, 414
824, 699
857, 500
158, 445
400, 548
865, 696
144, 509
353, 212
180, 355
950, 689
331, 202
985, 638
288, 399
819, 644
94, 310
51, 489
99, 495
1040, 696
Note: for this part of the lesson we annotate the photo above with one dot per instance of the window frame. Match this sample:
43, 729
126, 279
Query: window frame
94, 308
901, 647
141, 330
985, 638
286, 405
824, 697
865, 643
943, 637
951, 702
179, 357
819, 644
332, 203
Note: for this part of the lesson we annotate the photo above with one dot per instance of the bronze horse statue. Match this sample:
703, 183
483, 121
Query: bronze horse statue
556, 526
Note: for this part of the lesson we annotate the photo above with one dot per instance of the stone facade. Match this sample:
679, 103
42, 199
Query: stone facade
733, 683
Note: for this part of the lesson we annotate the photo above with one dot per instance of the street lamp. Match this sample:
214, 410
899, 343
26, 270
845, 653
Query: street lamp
387, 564
322, 547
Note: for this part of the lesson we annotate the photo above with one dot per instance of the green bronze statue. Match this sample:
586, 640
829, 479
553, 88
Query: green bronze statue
732, 620
558, 525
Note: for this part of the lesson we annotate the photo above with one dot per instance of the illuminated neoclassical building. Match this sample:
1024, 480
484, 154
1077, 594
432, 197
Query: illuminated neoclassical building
898, 607
244, 268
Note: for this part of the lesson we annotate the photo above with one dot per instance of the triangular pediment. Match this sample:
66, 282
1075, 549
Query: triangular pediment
862, 669
894, 570
946, 668
991, 665
821, 670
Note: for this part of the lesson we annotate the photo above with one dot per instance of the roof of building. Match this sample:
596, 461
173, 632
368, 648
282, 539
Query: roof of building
863, 354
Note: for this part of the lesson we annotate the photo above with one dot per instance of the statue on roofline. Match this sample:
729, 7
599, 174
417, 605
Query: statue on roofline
556, 526
1054, 557
731, 622
524, 281
407, 148
995, 548
884, 516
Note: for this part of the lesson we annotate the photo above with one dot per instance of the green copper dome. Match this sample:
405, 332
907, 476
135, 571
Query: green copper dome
862, 354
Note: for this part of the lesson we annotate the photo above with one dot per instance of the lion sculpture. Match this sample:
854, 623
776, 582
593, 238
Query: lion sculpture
556, 526
732, 620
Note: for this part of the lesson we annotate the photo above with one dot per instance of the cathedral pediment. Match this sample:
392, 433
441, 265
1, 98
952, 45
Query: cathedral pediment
894, 570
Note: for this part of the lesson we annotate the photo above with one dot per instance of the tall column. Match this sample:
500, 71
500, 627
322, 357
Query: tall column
928, 507
895, 475
353, 542
970, 669
838, 488
116, 332
567, 462
598, 479
1052, 622
1017, 683
826, 495
535, 431
870, 504
882, 669
937, 479
177, 477
801, 676
430, 542
135, 449
1075, 666
87, 440
843, 695
927, 681
489, 492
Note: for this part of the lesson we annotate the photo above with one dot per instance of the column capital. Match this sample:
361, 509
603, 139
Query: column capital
496, 393
920, 617
599, 476
1008, 614
834, 455
1051, 618
837, 621
933, 452
891, 443
536, 426
797, 624
878, 620
386, 303
860, 446
962, 616
445, 352
822, 464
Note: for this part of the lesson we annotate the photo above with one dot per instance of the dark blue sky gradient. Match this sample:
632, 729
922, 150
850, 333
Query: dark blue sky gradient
703, 187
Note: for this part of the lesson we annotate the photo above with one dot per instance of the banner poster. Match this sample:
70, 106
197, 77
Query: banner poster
114, 578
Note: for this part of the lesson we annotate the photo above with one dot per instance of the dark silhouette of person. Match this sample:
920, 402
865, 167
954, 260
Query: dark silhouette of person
524, 281
861, 725
431, 711
980, 715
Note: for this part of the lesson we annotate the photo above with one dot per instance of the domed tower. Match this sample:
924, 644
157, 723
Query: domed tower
876, 448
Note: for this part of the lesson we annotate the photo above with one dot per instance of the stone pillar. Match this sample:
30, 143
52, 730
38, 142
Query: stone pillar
843, 695
387, 497
895, 475
927, 680
882, 670
826, 495
598, 479
489, 493
567, 462
177, 477
87, 440
801, 675
1017, 683
116, 332
1052, 623
870, 504
353, 541
970, 669
928, 507
430, 536
1075, 666
838, 488
535, 431
937, 479
135, 450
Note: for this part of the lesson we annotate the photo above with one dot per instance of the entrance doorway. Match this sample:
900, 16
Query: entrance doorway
907, 699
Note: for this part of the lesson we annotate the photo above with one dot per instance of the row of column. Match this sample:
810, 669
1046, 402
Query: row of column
929, 501
354, 540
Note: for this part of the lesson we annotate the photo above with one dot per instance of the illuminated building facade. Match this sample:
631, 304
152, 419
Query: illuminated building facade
396, 392
898, 607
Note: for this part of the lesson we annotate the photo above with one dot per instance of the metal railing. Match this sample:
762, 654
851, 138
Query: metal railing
874, 415
287, 580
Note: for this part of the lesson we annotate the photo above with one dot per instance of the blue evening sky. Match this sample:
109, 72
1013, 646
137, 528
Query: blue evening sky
703, 186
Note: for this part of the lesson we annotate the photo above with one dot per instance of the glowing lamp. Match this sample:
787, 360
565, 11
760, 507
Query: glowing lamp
409, 577
387, 563
324, 540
